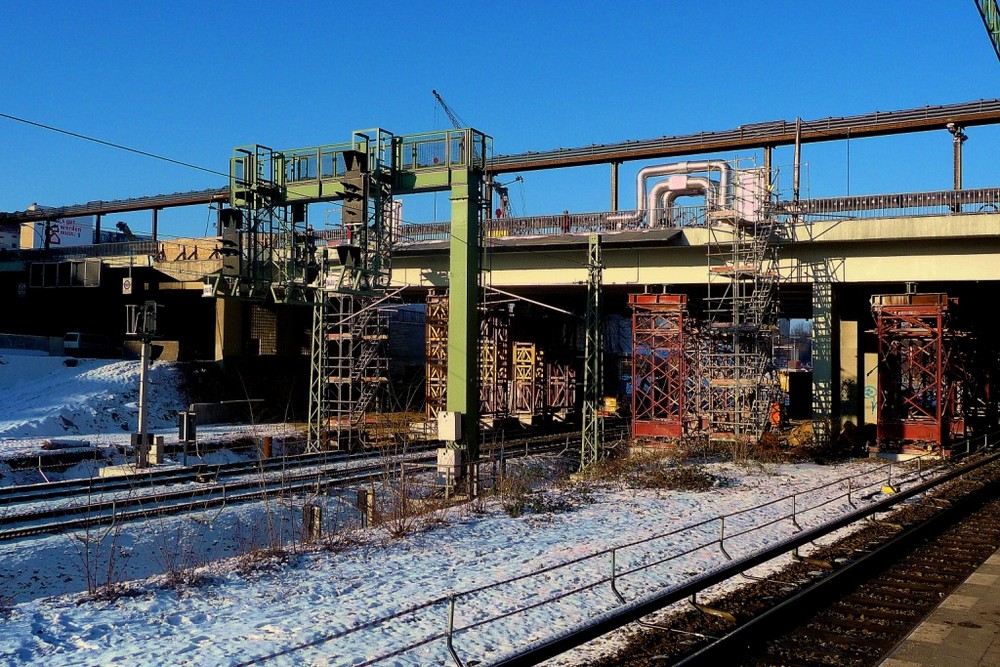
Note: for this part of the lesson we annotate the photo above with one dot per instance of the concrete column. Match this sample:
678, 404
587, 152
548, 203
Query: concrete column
228, 328
850, 383
823, 345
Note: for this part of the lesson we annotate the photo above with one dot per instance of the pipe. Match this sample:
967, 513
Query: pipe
675, 168
663, 194
668, 200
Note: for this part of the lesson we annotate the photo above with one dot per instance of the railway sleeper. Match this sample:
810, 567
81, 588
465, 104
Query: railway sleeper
870, 625
857, 645
911, 585
876, 603
785, 661
946, 571
967, 543
900, 615
805, 643
898, 591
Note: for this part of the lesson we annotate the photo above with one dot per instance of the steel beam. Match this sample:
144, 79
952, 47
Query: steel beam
758, 135
753, 135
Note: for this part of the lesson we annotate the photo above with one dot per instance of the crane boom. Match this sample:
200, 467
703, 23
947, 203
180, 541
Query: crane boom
455, 120
991, 19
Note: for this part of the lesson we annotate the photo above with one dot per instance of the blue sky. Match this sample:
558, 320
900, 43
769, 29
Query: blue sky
191, 80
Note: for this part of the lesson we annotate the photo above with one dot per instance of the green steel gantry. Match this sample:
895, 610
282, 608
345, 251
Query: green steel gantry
270, 252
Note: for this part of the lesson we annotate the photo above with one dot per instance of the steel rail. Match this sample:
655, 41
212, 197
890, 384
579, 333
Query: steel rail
833, 585
636, 610
19, 494
203, 497
214, 494
753, 135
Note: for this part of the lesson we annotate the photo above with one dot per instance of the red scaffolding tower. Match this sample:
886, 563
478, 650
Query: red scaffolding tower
919, 380
659, 364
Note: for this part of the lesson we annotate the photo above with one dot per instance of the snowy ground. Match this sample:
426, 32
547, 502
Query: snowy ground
364, 594
90, 401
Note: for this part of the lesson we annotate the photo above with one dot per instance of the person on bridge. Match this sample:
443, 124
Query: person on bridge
566, 222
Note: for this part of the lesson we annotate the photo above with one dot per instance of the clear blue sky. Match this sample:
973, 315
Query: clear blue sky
191, 80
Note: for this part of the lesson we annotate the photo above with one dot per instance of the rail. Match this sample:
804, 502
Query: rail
541, 612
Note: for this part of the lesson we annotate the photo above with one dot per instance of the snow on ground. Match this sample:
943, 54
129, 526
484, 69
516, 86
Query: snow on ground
302, 611
93, 401
361, 595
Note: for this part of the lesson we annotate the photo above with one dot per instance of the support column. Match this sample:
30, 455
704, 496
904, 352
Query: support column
463, 312
768, 176
614, 185
823, 345
228, 328
958, 137
850, 382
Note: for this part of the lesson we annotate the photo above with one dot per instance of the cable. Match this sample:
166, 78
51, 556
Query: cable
212, 171
112, 144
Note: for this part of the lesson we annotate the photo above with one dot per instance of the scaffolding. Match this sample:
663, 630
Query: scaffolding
494, 368
920, 380
740, 307
526, 364
263, 228
436, 348
349, 371
660, 370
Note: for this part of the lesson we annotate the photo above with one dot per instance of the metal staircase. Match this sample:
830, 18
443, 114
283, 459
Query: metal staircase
349, 372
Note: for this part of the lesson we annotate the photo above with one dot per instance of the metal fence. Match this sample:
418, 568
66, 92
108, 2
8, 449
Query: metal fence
123, 249
532, 608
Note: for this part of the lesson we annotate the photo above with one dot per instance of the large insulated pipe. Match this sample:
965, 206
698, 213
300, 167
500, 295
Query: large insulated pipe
688, 167
663, 194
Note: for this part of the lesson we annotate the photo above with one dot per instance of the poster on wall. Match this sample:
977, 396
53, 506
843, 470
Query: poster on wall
63, 232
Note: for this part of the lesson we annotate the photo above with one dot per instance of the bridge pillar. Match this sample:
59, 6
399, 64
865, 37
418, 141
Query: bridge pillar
823, 346
228, 328
849, 403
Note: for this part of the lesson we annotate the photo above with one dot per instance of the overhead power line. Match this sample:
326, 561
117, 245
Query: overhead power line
111, 144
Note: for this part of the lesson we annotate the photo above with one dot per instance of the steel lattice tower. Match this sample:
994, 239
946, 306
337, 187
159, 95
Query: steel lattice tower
593, 385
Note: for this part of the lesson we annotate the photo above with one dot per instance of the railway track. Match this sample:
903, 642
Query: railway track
849, 603
59, 506
12, 496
